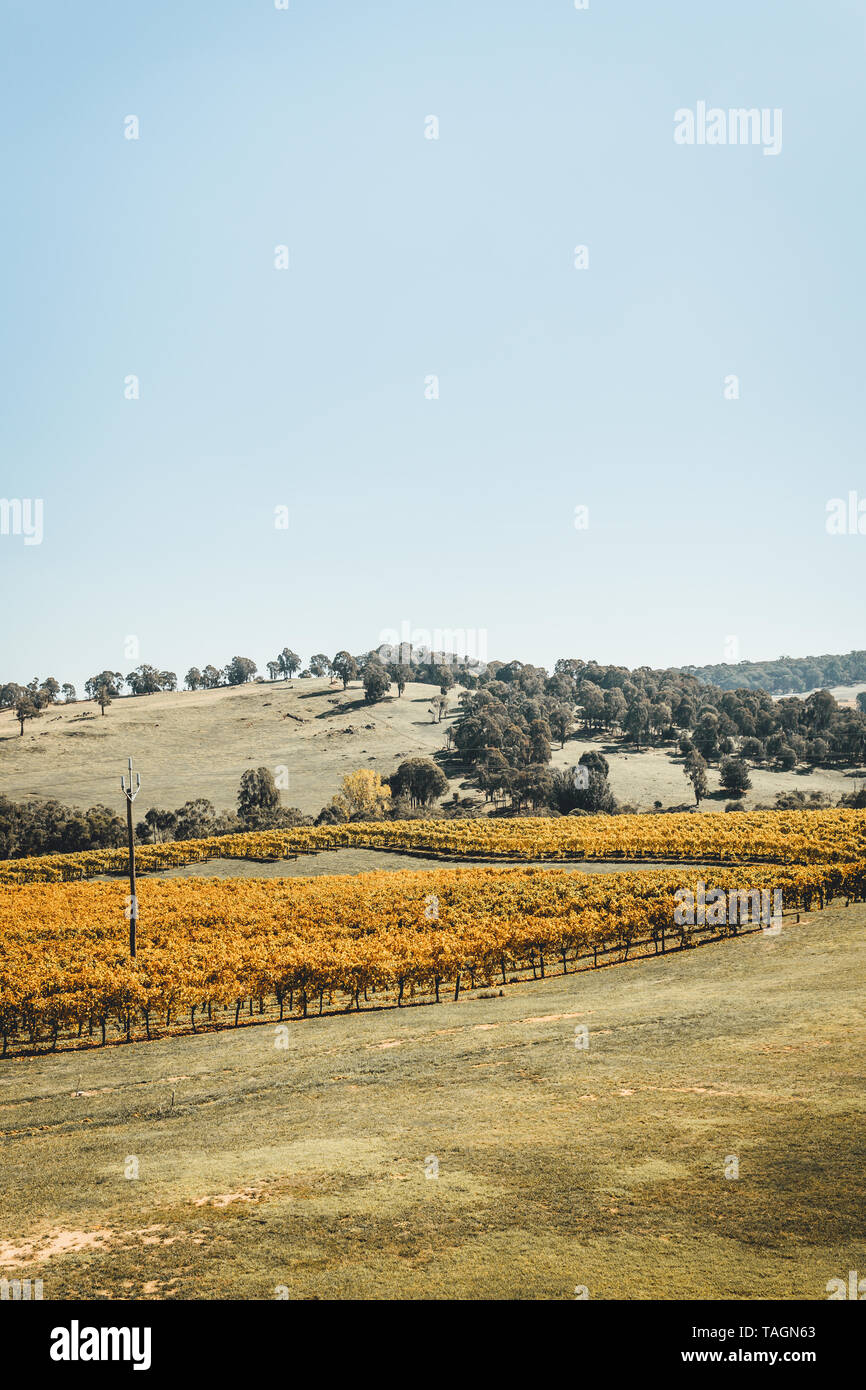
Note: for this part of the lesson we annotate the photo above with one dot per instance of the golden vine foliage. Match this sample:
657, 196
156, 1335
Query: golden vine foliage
783, 837
216, 943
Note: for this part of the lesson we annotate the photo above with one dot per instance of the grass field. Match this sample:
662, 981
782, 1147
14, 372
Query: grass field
304, 1167
198, 743
361, 861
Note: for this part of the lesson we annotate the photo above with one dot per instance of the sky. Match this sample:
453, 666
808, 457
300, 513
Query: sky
444, 505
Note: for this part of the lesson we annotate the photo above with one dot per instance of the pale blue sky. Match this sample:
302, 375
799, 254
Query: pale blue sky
305, 388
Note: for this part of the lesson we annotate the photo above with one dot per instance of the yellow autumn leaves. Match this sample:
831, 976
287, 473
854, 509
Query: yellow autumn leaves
362, 793
210, 947
786, 837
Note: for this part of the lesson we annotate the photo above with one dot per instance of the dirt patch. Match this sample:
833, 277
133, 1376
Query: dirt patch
54, 1244
51, 1245
225, 1199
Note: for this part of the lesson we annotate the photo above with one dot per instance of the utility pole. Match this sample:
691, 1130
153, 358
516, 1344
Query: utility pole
131, 792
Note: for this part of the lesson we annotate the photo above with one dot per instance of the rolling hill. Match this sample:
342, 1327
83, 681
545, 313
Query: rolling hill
188, 744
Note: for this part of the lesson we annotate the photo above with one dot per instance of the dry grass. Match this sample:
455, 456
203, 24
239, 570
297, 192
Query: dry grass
305, 1166
198, 743
190, 744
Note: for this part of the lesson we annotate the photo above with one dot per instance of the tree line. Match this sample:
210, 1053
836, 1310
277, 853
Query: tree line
29, 701
789, 674
509, 720
36, 827
48, 827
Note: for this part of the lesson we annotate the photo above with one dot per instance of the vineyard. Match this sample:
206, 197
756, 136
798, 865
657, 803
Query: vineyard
784, 837
212, 950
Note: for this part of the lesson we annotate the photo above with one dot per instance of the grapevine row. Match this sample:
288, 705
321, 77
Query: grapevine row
213, 946
785, 837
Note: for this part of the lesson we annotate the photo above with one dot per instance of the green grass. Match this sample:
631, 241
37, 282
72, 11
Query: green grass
558, 1167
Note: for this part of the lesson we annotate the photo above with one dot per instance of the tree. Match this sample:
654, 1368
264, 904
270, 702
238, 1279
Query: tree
564, 790
684, 714
786, 758
10, 694
820, 709
661, 717
112, 680
27, 708
345, 667
443, 677
493, 774
362, 794
377, 683
590, 697
637, 721
289, 661
195, 819
103, 688
419, 779
68, 692
705, 735
211, 677
273, 669
735, 776
615, 707
846, 736
595, 761
533, 783
596, 797
240, 670
861, 701
590, 794
144, 680
753, 749
167, 680
560, 719
400, 674
539, 740
257, 793
817, 751
193, 680
51, 689
695, 768
160, 824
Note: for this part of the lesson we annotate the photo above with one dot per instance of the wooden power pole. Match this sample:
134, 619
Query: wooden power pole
131, 792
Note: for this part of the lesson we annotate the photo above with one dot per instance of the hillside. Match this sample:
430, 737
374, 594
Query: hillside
188, 744
198, 743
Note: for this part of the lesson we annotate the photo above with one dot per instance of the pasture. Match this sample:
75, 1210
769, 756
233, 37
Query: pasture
303, 1169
